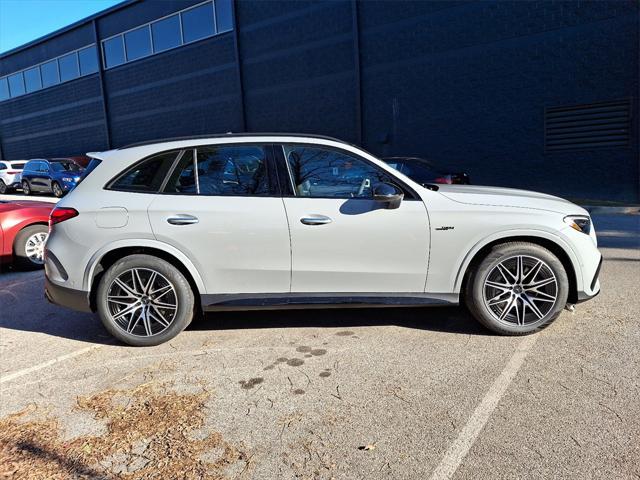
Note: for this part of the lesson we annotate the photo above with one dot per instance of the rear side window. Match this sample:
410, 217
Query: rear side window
2, 166
222, 170
32, 166
147, 175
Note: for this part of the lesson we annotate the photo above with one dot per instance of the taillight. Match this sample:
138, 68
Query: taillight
14, 172
60, 214
445, 179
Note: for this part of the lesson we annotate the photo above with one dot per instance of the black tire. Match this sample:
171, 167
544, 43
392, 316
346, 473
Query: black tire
184, 296
478, 305
20, 256
57, 190
3, 188
26, 188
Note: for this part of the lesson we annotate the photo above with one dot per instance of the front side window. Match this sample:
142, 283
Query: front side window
327, 173
146, 176
64, 167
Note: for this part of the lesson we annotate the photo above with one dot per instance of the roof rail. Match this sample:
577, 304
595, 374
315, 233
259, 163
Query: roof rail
232, 135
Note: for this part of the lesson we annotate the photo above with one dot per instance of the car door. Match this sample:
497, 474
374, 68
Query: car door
341, 239
35, 176
220, 206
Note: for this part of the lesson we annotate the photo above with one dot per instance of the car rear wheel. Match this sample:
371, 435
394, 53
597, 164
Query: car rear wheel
28, 246
57, 190
3, 187
26, 188
143, 300
518, 288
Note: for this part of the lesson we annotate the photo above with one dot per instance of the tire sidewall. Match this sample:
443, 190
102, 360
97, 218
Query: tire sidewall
183, 290
3, 187
499, 254
27, 190
53, 189
20, 246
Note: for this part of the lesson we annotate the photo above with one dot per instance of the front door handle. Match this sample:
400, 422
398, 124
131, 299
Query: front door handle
183, 219
316, 220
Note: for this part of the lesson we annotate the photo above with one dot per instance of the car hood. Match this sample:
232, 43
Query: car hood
509, 197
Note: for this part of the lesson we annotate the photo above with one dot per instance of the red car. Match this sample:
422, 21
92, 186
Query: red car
23, 232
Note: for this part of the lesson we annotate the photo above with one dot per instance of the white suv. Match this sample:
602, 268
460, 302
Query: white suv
10, 174
158, 232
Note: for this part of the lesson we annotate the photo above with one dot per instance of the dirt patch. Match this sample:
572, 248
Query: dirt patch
149, 435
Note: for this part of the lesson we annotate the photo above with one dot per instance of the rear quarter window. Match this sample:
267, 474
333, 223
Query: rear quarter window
146, 176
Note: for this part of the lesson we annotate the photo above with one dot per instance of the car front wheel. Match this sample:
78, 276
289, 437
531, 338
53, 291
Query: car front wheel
143, 300
518, 288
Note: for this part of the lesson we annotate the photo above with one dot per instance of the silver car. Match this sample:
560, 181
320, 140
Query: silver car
10, 175
157, 232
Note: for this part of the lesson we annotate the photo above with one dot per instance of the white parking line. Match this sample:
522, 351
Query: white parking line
467, 437
35, 368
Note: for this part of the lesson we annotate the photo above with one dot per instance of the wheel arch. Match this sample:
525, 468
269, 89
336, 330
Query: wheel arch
554, 245
106, 257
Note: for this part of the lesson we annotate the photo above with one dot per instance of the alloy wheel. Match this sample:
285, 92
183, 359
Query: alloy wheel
57, 191
520, 290
34, 247
3, 187
142, 302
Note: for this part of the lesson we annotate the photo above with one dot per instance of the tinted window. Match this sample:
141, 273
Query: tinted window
198, 23
224, 15
17, 166
50, 74
16, 84
113, 51
3, 166
138, 43
237, 170
4, 89
31, 166
69, 67
323, 172
43, 167
88, 58
146, 176
32, 79
183, 178
166, 33
65, 167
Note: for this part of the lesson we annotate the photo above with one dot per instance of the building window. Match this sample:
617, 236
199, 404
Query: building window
88, 60
32, 79
189, 25
113, 51
50, 75
197, 23
4, 89
137, 43
16, 84
166, 33
67, 67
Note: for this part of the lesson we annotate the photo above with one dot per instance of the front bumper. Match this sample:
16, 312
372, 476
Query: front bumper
67, 297
594, 286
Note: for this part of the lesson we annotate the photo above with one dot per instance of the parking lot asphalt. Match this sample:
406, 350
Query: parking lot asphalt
342, 393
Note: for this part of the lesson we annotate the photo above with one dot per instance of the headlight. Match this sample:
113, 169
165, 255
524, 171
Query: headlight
67, 179
581, 223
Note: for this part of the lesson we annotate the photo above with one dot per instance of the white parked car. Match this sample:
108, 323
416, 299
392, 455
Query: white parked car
157, 232
10, 174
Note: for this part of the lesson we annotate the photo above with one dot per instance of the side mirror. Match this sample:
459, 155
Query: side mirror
389, 194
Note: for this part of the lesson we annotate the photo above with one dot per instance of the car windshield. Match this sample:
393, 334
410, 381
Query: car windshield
65, 167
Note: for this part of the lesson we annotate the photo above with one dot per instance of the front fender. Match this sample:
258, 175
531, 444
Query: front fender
463, 265
144, 243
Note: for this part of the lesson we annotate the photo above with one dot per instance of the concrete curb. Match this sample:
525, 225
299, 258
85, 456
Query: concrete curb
604, 210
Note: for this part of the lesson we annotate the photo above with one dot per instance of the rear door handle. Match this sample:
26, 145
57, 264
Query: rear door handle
316, 220
183, 219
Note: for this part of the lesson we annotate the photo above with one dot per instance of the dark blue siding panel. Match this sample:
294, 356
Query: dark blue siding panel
187, 91
298, 67
60, 121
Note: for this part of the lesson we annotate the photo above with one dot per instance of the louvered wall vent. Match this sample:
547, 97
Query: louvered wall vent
585, 127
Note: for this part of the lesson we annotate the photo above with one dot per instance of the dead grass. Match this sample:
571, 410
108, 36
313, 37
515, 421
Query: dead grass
149, 436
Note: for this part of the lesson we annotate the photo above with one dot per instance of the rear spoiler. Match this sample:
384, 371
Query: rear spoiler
98, 155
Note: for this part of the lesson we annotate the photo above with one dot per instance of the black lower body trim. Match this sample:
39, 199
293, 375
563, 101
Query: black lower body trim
250, 301
67, 297
597, 274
